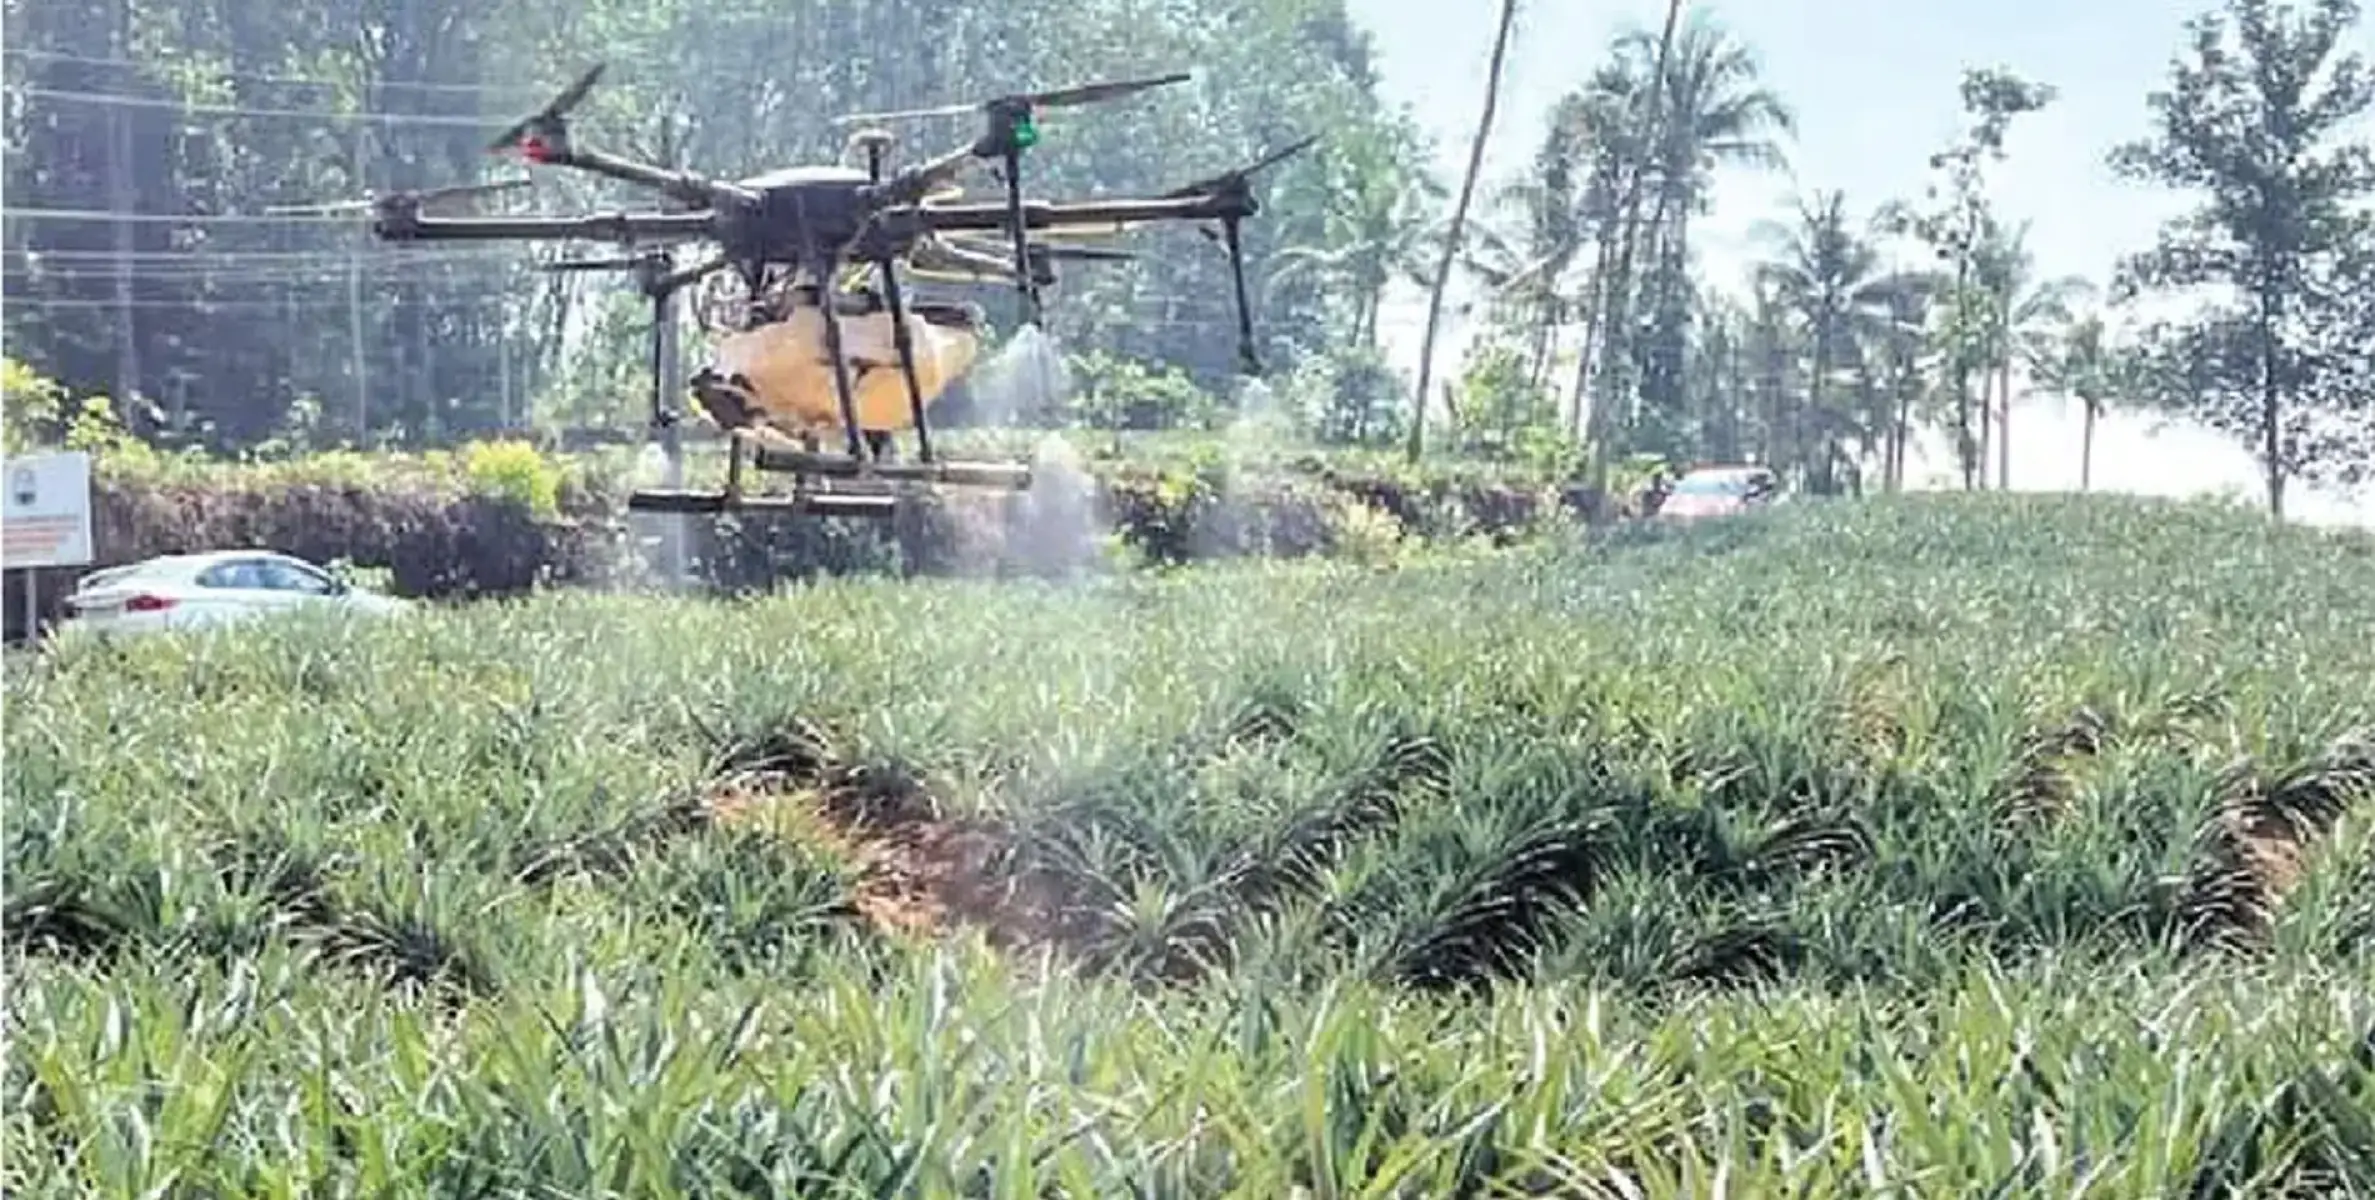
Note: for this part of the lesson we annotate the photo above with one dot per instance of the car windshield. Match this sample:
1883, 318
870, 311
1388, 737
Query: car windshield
1712, 485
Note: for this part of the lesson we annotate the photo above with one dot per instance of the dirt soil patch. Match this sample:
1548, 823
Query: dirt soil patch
918, 873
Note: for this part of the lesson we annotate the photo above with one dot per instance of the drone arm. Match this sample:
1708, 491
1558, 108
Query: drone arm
950, 218
914, 183
401, 225
682, 186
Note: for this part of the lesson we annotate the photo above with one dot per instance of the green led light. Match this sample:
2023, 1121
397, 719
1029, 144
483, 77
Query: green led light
1026, 133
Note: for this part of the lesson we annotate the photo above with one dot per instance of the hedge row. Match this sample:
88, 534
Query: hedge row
453, 542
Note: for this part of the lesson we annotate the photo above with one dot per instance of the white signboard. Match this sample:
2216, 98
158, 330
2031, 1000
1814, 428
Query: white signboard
46, 518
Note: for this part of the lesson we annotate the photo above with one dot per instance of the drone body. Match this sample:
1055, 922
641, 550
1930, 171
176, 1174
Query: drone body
802, 347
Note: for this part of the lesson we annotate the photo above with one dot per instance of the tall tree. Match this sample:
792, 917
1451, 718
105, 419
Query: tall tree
2257, 115
1616, 304
2083, 366
2025, 313
1901, 346
1957, 222
1452, 230
1717, 113
1833, 280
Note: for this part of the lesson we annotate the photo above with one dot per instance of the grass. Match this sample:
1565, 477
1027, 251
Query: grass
1946, 846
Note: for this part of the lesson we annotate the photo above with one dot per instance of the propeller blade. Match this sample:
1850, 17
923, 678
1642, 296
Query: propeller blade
424, 198
1099, 93
1234, 179
569, 98
589, 264
906, 114
1087, 93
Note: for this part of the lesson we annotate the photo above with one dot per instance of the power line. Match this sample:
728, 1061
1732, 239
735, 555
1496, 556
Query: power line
188, 108
425, 274
240, 256
153, 218
202, 307
19, 277
282, 80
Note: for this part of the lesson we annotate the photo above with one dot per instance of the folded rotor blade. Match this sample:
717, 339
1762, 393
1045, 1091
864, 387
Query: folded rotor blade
423, 198
1098, 93
569, 98
940, 258
1047, 250
1090, 231
1088, 93
589, 264
1235, 179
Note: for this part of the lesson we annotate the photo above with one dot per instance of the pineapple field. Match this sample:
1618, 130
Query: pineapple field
1931, 846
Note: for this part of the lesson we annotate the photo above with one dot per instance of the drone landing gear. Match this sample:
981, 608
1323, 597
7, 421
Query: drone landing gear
827, 484
866, 480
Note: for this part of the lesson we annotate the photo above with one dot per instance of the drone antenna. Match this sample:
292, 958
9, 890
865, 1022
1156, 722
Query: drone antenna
873, 144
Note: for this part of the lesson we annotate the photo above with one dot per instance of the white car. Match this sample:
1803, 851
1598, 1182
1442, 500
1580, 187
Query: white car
185, 591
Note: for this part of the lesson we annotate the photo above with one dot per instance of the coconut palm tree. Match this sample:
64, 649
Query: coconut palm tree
1381, 224
2026, 315
2082, 366
1615, 302
1459, 218
1834, 281
1902, 357
1717, 114
1537, 226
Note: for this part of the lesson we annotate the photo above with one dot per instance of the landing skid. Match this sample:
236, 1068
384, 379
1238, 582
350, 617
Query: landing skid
828, 485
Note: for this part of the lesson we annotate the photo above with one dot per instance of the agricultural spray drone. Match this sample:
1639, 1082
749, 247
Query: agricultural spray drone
803, 341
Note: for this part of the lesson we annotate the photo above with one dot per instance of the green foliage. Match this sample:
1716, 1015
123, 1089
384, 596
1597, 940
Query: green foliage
1497, 399
498, 518
33, 407
2261, 115
1793, 856
41, 413
1114, 393
1349, 397
516, 471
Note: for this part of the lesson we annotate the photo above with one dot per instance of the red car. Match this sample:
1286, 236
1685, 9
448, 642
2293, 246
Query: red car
1720, 492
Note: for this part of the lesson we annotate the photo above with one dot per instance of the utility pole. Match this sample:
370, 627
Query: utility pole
503, 366
667, 380
358, 366
123, 194
665, 359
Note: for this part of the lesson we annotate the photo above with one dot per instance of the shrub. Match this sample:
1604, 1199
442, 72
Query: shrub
516, 471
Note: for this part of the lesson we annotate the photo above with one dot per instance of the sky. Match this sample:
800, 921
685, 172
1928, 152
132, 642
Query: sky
1873, 84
